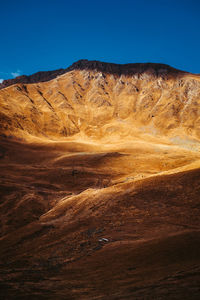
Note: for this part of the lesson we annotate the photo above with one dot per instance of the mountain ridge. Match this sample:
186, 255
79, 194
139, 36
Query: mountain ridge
157, 69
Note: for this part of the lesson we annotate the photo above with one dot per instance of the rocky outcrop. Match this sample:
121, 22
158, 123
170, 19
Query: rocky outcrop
155, 69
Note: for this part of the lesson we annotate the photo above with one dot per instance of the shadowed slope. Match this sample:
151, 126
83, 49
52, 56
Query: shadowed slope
152, 228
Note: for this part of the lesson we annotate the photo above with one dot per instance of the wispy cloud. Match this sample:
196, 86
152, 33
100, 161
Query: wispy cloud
1, 80
15, 74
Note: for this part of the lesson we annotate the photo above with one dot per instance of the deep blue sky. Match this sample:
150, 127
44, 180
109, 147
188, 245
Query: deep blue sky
50, 34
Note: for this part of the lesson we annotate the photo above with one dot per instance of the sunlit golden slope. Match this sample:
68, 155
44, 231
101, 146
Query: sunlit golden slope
100, 105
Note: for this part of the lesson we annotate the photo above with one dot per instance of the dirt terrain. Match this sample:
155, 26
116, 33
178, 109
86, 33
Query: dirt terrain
99, 185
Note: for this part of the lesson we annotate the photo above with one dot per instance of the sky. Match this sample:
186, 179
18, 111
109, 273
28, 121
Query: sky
43, 35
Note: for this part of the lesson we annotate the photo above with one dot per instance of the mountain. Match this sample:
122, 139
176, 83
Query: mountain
99, 185
116, 99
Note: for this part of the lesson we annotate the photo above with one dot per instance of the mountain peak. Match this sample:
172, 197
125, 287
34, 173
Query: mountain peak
126, 69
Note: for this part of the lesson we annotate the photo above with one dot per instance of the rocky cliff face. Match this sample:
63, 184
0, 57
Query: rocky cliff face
99, 100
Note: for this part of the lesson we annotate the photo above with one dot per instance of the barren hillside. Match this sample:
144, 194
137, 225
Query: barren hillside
100, 189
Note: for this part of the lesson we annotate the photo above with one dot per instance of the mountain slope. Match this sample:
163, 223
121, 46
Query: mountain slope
94, 104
